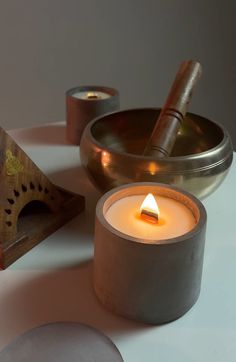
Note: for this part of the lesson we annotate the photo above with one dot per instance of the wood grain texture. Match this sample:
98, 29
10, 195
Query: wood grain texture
24, 186
164, 134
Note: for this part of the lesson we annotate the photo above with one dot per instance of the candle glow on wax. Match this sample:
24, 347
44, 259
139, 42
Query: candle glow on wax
174, 219
91, 95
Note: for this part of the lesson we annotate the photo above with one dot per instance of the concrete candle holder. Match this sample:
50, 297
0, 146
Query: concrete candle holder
149, 279
84, 103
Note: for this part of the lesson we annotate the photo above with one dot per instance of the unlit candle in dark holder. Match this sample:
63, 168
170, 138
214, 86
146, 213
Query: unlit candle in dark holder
85, 103
150, 272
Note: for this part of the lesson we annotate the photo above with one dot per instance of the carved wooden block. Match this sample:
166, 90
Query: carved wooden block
31, 207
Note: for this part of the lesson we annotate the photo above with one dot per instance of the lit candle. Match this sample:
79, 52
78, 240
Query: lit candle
175, 218
148, 263
91, 95
85, 103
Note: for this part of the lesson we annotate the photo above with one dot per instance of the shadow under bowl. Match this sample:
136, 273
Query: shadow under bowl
112, 145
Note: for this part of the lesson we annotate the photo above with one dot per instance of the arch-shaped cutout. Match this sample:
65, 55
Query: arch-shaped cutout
32, 215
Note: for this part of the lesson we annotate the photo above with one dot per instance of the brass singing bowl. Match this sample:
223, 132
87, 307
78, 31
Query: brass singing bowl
112, 145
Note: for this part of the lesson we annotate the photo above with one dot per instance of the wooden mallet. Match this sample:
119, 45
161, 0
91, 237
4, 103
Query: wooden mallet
164, 134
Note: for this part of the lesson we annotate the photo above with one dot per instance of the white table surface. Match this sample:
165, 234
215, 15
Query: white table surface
53, 282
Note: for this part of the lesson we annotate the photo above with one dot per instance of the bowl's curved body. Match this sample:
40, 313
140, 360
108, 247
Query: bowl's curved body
112, 145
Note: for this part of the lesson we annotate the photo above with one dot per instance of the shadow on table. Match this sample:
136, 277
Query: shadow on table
48, 134
63, 295
75, 180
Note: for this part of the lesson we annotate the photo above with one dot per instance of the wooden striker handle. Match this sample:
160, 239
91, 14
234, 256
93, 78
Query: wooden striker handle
171, 117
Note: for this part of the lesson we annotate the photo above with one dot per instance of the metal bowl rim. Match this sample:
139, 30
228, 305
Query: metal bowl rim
150, 158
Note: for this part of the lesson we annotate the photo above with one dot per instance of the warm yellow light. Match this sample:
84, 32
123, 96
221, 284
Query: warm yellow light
153, 168
105, 158
92, 95
149, 210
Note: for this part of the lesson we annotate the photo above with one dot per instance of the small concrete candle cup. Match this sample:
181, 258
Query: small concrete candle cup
149, 270
85, 103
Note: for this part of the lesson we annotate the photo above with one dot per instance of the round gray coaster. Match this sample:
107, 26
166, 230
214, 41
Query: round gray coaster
61, 342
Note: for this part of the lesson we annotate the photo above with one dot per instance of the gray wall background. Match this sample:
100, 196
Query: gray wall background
136, 46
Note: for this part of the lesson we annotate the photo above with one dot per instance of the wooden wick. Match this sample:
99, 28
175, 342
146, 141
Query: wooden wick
149, 216
172, 114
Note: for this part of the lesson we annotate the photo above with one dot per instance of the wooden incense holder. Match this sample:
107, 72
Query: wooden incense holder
171, 117
31, 207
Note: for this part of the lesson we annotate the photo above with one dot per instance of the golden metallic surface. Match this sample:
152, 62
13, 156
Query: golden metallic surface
112, 146
13, 165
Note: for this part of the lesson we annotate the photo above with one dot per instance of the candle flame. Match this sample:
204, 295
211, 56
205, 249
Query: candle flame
149, 210
92, 95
